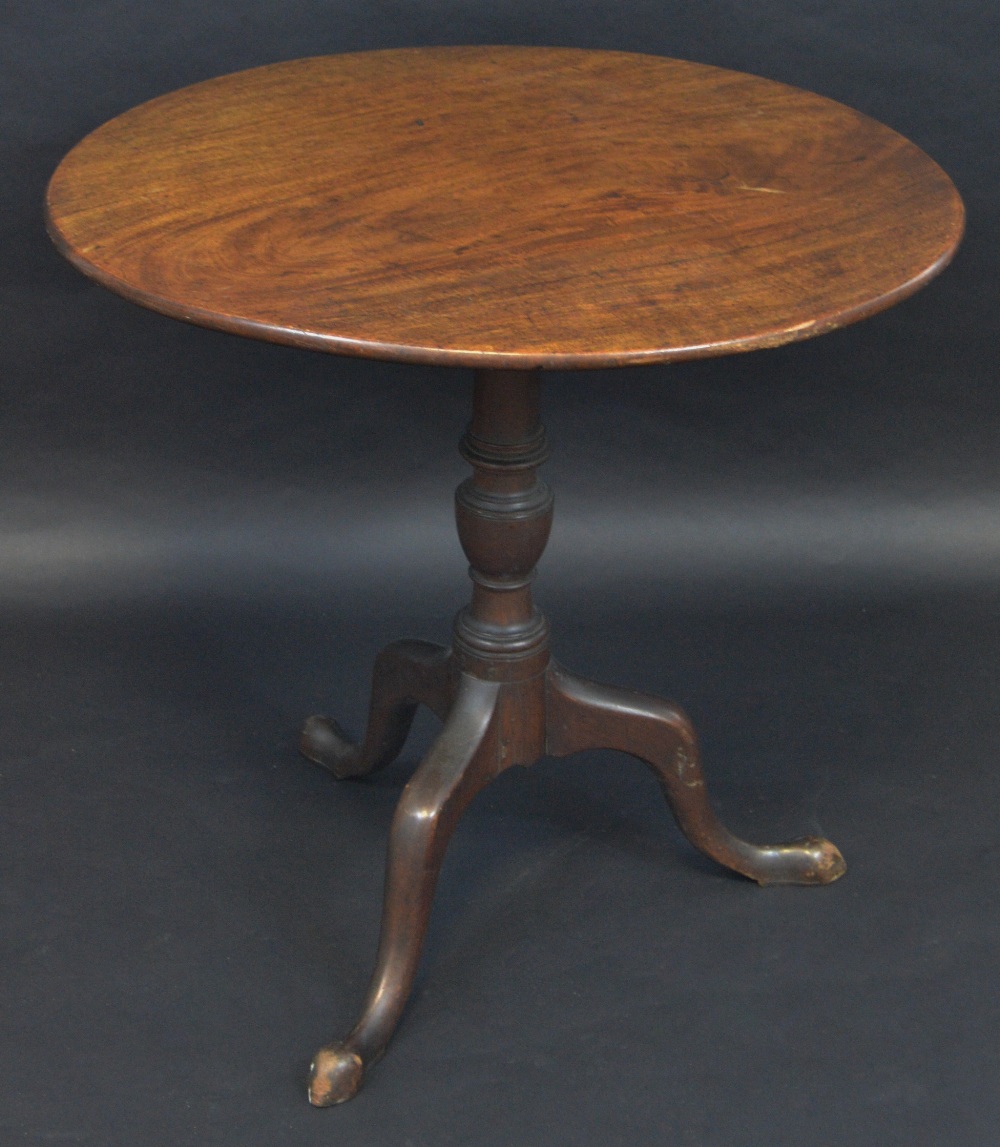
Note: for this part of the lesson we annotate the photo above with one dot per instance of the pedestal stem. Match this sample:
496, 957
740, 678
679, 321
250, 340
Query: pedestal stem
504, 514
508, 706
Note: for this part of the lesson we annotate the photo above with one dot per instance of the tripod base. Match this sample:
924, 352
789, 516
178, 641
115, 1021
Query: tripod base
488, 726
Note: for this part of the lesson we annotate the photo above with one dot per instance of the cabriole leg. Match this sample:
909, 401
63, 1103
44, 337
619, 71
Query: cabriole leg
583, 715
460, 762
406, 674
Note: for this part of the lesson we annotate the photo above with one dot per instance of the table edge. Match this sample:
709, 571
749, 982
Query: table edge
498, 360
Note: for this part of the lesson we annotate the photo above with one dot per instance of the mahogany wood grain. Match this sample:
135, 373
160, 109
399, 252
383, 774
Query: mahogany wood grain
505, 207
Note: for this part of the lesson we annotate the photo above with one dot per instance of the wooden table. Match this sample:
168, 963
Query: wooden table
505, 209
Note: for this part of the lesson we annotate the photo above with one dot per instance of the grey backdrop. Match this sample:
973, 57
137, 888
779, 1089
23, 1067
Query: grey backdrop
202, 539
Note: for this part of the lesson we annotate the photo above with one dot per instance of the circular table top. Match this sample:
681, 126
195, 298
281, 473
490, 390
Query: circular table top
505, 207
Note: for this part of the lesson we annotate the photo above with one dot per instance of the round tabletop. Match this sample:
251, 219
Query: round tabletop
505, 207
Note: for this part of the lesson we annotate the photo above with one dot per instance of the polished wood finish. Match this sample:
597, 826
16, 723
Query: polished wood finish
461, 761
512, 705
506, 207
584, 715
407, 674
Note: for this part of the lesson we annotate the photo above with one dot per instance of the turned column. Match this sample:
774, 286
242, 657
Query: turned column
504, 515
506, 705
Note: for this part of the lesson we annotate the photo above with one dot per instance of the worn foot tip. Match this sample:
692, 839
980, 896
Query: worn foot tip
323, 742
824, 862
808, 860
335, 1075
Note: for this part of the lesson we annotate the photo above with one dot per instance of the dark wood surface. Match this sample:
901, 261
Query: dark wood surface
505, 207
504, 702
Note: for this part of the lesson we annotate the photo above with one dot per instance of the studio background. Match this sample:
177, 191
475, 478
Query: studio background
203, 539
